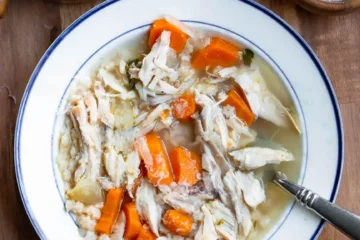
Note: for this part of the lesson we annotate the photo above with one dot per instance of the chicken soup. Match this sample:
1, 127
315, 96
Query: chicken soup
173, 143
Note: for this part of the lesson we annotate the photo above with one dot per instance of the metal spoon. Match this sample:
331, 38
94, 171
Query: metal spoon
345, 221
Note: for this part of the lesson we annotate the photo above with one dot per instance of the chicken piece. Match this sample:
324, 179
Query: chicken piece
186, 84
90, 135
185, 68
204, 87
82, 165
86, 131
121, 141
147, 207
149, 123
165, 88
103, 101
241, 134
214, 121
224, 220
115, 166
206, 230
255, 157
183, 27
213, 148
132, 171
154, 65
91, 104
252, 188
105, 183
262, 102
212, 176
119, 227
242, 212
108, 119
227, 72
111, 81
188, 204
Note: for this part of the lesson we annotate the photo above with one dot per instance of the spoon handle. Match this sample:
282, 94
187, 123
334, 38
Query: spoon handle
345, 221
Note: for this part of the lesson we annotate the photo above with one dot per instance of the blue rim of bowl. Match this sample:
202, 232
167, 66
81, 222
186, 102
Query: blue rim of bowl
300, 40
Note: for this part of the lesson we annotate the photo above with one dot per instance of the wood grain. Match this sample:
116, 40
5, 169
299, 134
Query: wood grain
31, 25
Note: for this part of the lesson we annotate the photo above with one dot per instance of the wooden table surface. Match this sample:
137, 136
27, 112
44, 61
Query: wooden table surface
31, 25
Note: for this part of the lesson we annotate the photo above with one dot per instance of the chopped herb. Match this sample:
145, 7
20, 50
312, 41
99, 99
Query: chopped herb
204, 170
136, 63
220, 222
132, 83
247, 56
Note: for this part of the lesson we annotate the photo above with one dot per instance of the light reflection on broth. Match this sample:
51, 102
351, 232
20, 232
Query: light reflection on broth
277, 199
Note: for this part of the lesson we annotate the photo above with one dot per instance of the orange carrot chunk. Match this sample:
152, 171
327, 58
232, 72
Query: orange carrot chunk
133, 225
146, 234
184, 106
177, 222
218, 53
110, 211
177, 38
186, 165
152, 151
242, 108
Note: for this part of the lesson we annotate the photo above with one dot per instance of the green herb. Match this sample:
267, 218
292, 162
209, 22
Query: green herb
204, 170
132, 82
247, 56
136, 63
220, 222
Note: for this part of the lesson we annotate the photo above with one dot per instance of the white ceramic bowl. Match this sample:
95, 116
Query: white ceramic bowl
100, 32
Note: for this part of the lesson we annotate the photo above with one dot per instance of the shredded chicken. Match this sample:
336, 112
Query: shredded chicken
263, 103
252, 188
206, 230
147, 207
115, 166
212, 176
255, 157
224, 220
132, 171
154, 68
242, 212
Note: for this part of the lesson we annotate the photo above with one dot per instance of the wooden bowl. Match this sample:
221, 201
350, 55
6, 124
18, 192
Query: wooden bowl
329, 7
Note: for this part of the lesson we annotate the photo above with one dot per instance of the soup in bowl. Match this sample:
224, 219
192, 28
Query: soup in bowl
171, 139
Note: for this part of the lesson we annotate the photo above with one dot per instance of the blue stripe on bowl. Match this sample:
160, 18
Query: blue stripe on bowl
43, 60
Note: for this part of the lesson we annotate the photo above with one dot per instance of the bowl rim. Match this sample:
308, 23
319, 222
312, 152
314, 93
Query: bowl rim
69, 29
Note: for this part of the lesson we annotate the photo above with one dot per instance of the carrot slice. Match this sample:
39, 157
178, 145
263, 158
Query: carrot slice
177, 38
133, 225
218, 53
152, 151
177, 222
146, 234
186, 165
242, 108
184, 106
110, 211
